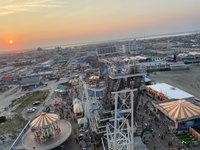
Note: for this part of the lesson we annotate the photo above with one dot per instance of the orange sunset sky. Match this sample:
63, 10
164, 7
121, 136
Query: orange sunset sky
34, 23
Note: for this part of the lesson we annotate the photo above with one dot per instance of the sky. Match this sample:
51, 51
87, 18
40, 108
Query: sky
40, 23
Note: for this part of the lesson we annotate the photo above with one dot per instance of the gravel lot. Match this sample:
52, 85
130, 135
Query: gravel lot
187, 80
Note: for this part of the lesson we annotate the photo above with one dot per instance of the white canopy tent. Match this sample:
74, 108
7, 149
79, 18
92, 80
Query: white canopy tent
77, 106
82, 121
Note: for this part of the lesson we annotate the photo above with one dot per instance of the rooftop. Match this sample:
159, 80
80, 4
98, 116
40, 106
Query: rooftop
170, 91
30, 80
155, 63
180, 109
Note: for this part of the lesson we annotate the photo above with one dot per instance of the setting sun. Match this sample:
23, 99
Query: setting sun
11, 41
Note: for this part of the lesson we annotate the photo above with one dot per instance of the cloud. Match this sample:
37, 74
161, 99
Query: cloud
12, 6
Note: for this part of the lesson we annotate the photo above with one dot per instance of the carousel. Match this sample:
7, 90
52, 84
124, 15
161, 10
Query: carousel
47, 131
45, 126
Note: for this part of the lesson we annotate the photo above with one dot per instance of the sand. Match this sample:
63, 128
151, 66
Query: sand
187, 80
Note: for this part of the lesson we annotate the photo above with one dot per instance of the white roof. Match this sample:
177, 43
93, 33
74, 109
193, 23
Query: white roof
82, 120
147, 79
140, 57
76, 101
170, 91
194, 53
126, 59
155, 63
63, 80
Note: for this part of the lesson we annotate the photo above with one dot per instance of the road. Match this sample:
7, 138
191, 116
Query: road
51, 87
7, 97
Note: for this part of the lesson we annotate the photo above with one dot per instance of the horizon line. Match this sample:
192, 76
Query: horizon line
145, 37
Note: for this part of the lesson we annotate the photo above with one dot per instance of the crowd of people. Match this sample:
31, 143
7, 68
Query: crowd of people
148, 118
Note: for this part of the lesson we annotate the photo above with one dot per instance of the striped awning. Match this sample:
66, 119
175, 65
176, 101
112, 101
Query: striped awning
180, 109
44, 120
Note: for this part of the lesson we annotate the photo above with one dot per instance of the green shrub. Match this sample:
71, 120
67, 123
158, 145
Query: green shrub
2, 119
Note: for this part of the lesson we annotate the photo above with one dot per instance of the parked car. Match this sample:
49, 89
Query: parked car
44, 85
35, 108
36, 102
46, 108
30, 110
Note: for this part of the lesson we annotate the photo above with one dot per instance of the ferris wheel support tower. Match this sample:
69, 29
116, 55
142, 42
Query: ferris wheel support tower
120, 135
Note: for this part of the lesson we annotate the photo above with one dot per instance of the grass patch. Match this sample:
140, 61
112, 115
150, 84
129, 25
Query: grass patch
17, 122
2, 119
12, 125
28, 99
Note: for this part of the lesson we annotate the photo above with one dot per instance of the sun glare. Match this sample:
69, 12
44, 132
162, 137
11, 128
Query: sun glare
11, 41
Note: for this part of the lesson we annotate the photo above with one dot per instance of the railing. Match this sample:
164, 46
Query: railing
19, 136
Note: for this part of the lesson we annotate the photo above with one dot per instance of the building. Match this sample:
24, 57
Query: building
6, 69
156, 65
163, 51
178, 66
166, 92
22, 63
47, 64
7, 78
61, 58
106, 50
129, 47
30, 82
183, 113
191, 57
